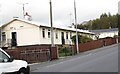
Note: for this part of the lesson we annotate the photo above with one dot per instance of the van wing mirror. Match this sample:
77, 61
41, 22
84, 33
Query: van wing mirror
11, 59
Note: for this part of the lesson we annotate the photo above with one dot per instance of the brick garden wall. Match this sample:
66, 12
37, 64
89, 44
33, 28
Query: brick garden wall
96, 44
119, 39
33, 54
40, 53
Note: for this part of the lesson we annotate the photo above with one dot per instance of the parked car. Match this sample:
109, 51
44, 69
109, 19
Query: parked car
10, 65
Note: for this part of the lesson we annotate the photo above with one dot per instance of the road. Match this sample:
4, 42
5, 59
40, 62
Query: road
100, 60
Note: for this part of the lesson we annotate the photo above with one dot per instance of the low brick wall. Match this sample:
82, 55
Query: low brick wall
40, 53
110, 41
96, 44
33, 54
90, 45
14, 53
119, 39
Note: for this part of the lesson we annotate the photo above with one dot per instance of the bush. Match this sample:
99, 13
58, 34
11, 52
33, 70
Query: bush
81, 39
64, 52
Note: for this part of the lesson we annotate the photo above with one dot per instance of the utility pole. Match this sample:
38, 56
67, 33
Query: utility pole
76, 26
51, 22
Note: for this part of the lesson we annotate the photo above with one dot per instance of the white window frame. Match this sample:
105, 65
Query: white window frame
49, 33
56, 35
3, 36
43, 32
66, 35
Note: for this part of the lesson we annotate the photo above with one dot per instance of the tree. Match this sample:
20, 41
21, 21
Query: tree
104, 15
105, 21
74, 39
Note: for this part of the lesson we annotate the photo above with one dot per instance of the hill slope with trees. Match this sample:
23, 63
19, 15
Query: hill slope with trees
105, 21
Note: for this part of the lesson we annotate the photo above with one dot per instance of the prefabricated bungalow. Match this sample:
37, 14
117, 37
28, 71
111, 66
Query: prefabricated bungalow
19, 32
103, 33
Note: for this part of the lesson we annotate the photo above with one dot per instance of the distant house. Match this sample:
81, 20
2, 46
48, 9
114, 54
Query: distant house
20, 32
85, 22
106, 32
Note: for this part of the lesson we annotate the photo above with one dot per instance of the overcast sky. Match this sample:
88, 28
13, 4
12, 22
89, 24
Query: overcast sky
39, 10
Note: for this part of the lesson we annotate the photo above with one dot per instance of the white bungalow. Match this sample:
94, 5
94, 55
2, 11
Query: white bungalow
103, 33
20, 32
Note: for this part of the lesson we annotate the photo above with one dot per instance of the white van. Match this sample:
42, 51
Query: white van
9, 65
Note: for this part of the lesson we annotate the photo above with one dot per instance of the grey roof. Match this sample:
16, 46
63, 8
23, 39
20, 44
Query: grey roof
104, 30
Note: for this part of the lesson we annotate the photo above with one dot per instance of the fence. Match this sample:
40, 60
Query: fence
96, 44
34, 54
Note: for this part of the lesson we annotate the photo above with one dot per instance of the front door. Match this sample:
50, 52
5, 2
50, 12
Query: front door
62, 38
14, 39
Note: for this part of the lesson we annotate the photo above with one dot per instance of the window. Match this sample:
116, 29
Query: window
48, 33
3, 36
43, 33
70, 35
66, 35
56, 35
62, 38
